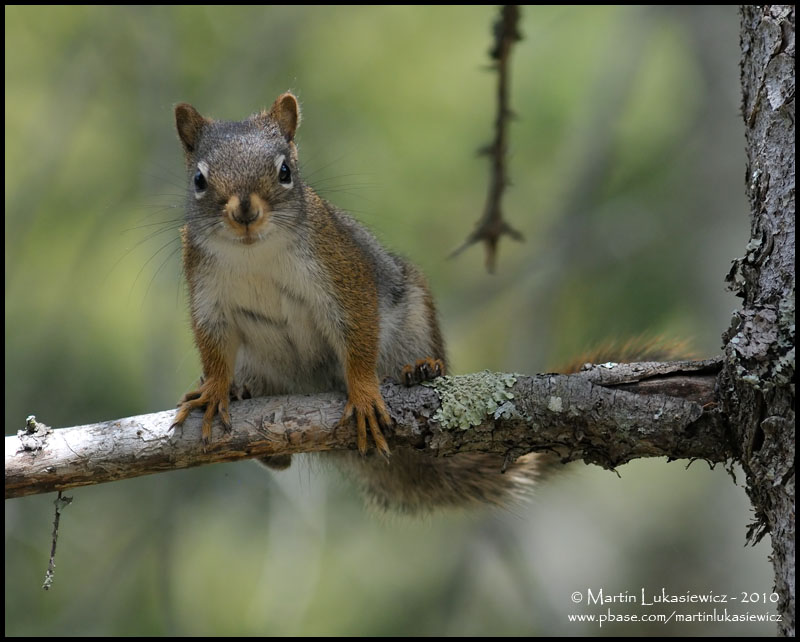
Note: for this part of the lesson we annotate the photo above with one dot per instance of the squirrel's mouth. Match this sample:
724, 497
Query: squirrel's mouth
247, 236
242, 235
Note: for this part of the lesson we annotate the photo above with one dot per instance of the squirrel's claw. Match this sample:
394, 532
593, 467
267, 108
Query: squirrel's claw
422, 370
214, 398
374, 415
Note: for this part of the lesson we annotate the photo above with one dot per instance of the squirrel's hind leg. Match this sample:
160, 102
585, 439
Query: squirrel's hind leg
423, 370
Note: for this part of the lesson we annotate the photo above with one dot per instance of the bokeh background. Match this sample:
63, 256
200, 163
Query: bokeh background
627, 164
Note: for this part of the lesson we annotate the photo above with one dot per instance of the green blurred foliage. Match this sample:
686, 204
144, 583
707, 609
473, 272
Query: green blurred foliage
627, 162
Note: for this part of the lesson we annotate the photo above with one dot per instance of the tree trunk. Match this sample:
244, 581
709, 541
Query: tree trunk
757, 382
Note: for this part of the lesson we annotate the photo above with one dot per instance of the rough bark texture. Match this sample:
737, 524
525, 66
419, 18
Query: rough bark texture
757, 382
606, 415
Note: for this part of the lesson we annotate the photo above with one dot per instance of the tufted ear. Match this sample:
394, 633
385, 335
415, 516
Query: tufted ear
285, 111
190, 125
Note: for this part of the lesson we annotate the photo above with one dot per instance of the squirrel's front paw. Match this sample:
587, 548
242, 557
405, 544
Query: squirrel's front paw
368, 410
213, 395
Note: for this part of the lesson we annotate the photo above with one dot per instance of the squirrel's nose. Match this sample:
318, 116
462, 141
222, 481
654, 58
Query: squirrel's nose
246, 209
243, 210
245, 213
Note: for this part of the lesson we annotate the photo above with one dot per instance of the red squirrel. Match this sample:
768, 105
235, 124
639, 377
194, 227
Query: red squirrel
290, 295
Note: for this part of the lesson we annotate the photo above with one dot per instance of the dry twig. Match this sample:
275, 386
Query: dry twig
492, 225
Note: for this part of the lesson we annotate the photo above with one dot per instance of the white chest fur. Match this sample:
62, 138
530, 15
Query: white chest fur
268, 300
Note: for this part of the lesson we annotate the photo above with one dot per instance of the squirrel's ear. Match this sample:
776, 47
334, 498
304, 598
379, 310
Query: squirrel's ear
285, 111
190, 125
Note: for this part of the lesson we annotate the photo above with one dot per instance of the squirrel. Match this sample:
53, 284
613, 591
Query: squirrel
290, 295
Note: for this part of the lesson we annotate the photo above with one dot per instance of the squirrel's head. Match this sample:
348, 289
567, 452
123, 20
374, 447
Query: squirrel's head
243, 175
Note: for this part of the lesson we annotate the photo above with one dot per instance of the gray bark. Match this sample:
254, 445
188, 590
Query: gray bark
757, 382
606, 415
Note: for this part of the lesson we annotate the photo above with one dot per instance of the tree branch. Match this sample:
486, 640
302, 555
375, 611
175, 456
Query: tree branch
606, 415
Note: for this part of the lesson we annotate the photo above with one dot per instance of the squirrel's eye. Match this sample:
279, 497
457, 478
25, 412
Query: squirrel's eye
284, 175
200, 182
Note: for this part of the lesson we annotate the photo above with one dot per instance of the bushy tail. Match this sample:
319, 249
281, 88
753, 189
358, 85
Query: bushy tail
415, 483
640, 348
